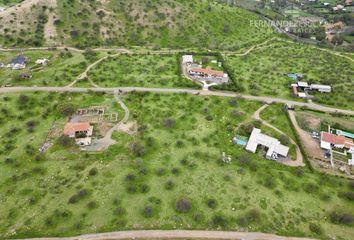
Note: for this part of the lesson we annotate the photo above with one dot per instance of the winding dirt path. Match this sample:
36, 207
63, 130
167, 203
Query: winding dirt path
177, 234
299, 162
312, 147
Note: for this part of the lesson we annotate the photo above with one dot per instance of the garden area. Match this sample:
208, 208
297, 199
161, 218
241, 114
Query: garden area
62, 68
171, 169
140, 71
264, 72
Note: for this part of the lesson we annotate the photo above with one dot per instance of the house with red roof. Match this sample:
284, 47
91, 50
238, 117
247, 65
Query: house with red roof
329, 140
81, 131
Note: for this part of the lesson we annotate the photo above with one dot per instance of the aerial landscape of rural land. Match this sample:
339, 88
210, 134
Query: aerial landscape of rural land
176, 119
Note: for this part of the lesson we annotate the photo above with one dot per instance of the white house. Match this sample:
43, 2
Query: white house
303, 84
43, 61
274, 146
321, 88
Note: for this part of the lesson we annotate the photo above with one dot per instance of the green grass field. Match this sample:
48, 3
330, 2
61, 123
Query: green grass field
159, 23
63, 68
174, 155
263, 72
141, 71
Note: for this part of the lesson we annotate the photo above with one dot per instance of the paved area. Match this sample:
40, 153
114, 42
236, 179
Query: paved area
177, 234
299, 162
175, 90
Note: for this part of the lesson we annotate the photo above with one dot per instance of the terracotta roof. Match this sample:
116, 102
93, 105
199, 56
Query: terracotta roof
328, 137
72, 128
337, 140
209, 71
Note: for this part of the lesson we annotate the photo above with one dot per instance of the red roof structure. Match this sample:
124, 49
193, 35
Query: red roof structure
72, 128
209, 72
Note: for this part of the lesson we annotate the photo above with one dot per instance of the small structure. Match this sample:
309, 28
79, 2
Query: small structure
82, 132
43, 61
26, 76
294, 88
294, 76
18, 62
348, 2
242, 141
302, 95
274, 146
209, 74
338, 8
187, 59
321, 88
302, 85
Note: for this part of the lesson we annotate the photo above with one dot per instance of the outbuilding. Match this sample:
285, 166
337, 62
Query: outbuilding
321, 88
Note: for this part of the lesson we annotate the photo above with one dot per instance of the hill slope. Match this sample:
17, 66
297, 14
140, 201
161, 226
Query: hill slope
160, 23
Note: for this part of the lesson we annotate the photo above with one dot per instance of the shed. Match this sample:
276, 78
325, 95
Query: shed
187, 59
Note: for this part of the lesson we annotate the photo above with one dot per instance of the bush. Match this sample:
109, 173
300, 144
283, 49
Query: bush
66, 109
65, 141
347, 195
341, 218
183, 205
148, 212
169, 123
219, 221
119, 211
317, 229
92, 205
137, 149
169, 185
93, 171
212, 203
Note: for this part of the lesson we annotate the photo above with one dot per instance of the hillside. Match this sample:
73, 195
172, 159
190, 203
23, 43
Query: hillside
160, 23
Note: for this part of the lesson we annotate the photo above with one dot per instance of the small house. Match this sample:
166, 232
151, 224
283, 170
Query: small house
82, 132
18, 62
274, 146
321, 88
348, 2
329, 140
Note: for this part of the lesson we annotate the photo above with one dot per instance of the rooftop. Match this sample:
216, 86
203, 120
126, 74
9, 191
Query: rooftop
71, 128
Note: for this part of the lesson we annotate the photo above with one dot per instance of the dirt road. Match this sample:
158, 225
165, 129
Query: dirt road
177, 234
181, 91
312, 147
299, 162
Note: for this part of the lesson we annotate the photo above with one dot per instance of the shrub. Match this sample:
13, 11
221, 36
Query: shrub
160, 171
169, 123
175, 171
212, 203
92, 205
65, 141
119, 211
137, 149
169, 185
66, 109
317, 229
183, 205
341, 218
93, 171
347, 195
144, 188
148, 212
253, 215
219, 221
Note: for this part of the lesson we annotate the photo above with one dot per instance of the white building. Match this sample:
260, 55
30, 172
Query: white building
187, 59
274, 146
321, 88
303, 84
43, 61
